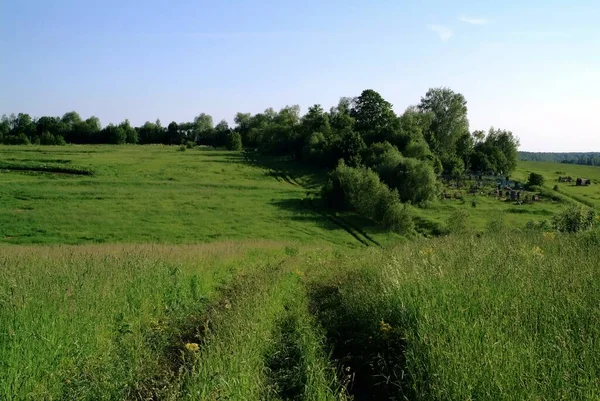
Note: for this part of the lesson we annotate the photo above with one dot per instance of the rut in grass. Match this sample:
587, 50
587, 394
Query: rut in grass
370, 353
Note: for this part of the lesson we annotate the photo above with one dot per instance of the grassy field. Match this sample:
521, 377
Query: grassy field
145, 273
156, 194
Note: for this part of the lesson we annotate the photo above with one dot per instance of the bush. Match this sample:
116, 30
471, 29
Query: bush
574, 219
359, 189
182, 148
415, 181
555, 187
190, 144
536, 179
542, 225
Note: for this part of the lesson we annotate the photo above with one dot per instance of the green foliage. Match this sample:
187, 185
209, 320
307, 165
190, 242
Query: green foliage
360, 190
458, 222
374, 117
449, 123
497, 152
234, 141
536, 179
574, 219
415, 181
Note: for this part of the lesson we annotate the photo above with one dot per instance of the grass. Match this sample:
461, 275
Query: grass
282, 301
154, 194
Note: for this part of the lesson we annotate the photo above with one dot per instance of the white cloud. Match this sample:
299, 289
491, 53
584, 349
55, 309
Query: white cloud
473, 20
444, 32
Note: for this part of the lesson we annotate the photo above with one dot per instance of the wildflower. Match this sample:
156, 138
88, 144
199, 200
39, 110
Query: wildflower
192, 347
537, 251
384, 327
426, 251
549, 235
299, 273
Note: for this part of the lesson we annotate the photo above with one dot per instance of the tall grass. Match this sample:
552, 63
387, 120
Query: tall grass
265, 346
503, 317
93, 322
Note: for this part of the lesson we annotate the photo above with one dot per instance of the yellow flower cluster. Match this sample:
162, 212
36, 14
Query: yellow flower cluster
537, 251
192, 347
426, 251
549, 235
384, 327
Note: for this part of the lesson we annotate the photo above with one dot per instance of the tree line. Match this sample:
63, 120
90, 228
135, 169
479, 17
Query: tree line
365, 145
582, 158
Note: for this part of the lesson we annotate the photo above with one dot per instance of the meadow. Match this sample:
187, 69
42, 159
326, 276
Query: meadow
146, 273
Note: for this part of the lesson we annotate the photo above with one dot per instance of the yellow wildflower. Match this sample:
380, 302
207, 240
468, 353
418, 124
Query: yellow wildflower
384, 327
538, 251
426, 251
192, 347
549, 235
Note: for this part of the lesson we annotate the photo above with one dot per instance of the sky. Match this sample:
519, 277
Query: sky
531, 67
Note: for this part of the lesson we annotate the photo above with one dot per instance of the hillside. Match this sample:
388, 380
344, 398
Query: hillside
157, 194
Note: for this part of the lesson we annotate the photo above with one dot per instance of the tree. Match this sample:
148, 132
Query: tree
340, 117
114, 135
349, 146
131, 135
374, 117
173, 135
415, 181
222, 137
497, 151
234, 141
449, 123
203, 129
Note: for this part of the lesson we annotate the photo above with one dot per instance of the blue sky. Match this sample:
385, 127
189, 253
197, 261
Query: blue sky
532, 66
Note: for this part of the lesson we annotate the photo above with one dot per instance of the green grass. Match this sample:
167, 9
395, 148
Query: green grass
155, 194
105, 293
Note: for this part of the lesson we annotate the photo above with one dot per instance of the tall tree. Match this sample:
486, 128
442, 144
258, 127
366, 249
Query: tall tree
449, 123
131, 135
203, 129
374, 117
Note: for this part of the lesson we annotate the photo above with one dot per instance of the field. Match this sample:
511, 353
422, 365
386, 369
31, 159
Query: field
156, 194
146, 273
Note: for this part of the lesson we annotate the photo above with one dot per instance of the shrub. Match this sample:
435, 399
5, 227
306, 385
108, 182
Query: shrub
574, 219
542, 225
182, 148
190, 144
381, 154
536, 179
555, 187
415, 181
359, 189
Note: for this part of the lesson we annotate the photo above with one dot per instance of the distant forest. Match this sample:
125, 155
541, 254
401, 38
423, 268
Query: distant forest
583, 158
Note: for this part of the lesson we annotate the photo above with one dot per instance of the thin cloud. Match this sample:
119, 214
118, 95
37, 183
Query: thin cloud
473, 20
443, 32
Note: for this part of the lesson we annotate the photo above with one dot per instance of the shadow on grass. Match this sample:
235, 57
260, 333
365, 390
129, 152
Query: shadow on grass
288, 370
370, 352
308, 209
429, 227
